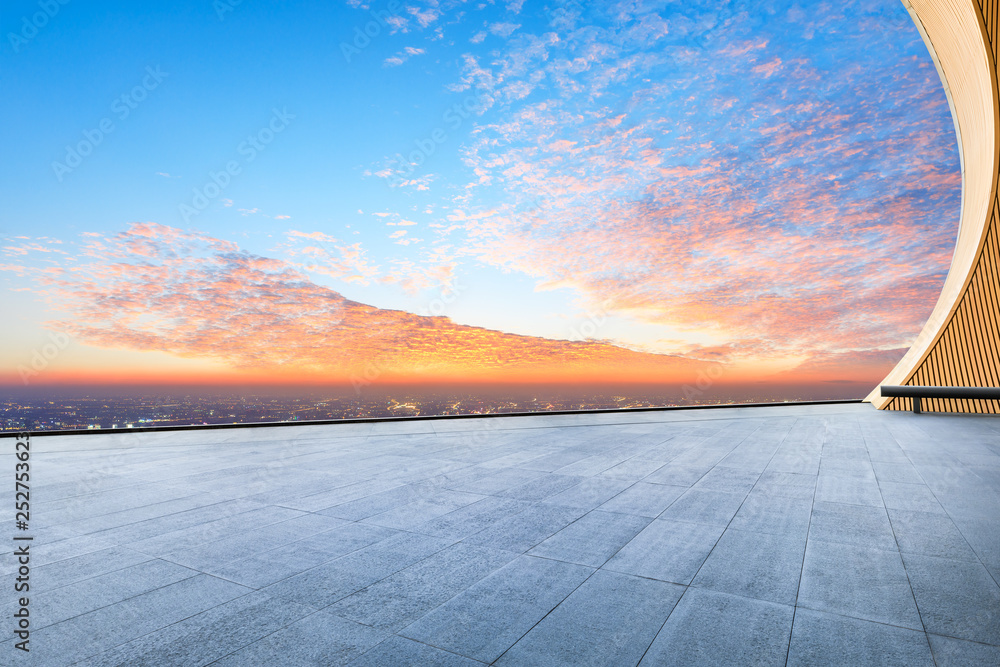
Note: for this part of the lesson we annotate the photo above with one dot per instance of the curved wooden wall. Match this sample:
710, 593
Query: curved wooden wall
960, 343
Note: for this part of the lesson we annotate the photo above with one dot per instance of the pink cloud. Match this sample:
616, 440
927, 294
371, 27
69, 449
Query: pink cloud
199, 297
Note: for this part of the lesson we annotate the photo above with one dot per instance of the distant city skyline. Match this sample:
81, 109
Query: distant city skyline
88, 408
513, 193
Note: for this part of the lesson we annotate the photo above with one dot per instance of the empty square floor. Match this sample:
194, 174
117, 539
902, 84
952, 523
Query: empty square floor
787, 535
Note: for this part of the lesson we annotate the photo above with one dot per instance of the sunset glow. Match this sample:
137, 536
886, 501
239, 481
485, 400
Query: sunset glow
505, 193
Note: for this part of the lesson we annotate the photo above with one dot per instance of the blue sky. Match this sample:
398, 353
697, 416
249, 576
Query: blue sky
703, 180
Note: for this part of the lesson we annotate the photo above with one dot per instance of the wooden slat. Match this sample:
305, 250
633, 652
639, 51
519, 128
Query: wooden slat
960, 345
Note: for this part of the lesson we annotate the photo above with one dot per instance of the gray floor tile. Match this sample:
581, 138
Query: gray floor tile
730, 480
955, 598
268, 568
99, 630
667, 550
318, 639
526, 529
823, 639
709, 628
804, 463
541, 487
633, 469
324, 501
786, 484
610, 619
852, 524
208, 636
853, 463
498, 481
929, 534
705, 506
65, 602
376, 503
159, 525
400, 599
896, 472
676, 475
321, 586
590, 493
778, 515
237, 504
403, 652
950, 652
78, 568
859, 582
424, 509
644, 499
755, 565
554, 461
259, 540
591, 466
58, 550
750, 456
201, 534
489, 617
983, 535
913, 497
592, 539
472, 518
849, 490
345, 539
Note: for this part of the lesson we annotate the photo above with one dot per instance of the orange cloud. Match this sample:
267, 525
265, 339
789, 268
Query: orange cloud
806, 218
194, 296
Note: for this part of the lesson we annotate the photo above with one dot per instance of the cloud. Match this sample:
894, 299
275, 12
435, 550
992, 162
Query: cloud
732, 180
767, 69
201, 297
319, 253
503, 29
402, 56
426, 17
317, 236
29, 245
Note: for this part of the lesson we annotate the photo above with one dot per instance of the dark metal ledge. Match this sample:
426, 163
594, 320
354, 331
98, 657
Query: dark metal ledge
367, 420
917, 392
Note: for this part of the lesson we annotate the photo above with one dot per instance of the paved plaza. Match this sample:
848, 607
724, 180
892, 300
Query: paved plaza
798, 535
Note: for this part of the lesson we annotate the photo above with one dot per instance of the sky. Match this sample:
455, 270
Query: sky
420, 191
